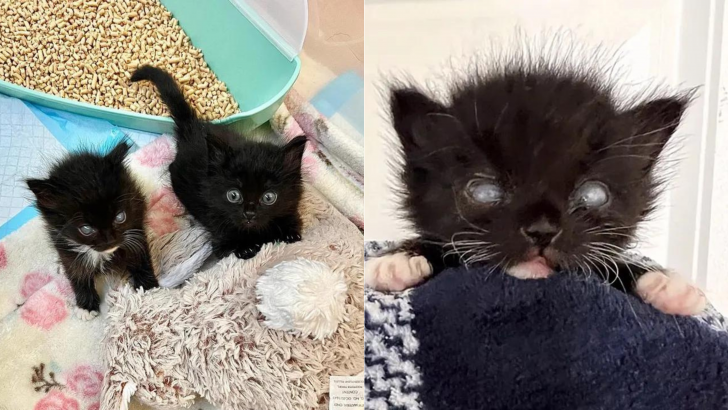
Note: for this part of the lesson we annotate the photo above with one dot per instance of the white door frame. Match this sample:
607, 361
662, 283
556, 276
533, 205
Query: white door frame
698, 61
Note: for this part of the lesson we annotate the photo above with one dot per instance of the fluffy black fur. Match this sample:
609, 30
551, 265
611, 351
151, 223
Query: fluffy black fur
212, 160
86, 190
537, 132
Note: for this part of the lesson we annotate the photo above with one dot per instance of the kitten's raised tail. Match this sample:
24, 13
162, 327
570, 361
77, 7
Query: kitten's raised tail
169, 91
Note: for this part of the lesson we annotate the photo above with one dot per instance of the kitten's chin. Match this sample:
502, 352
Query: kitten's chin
535, 268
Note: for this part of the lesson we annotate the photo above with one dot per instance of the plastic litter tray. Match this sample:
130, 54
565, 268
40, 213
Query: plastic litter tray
256, 72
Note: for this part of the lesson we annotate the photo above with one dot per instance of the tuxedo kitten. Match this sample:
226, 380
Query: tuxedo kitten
244, 193
532, 170
94, 216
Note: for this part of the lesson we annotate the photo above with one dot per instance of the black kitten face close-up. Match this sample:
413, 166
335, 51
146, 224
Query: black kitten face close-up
90, 202
254, 183
531, 166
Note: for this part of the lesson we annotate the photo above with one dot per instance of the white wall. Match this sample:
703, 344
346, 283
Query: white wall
718, 252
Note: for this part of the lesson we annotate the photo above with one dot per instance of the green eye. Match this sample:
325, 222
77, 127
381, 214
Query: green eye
268, 198
234, 196
86, 230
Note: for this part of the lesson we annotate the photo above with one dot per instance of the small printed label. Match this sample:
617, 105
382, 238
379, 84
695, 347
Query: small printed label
346, 392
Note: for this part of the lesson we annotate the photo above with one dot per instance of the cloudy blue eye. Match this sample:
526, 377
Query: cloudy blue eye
120, 217
234, 196
86, 230
591, 194
484, 191
268, 198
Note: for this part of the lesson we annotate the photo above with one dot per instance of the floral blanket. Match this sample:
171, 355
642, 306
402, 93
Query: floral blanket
49, 358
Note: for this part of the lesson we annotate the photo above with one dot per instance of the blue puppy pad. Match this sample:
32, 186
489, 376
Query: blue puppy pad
32, 137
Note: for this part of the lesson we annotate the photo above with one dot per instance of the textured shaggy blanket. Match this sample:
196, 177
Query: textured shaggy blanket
466, 340
209, 338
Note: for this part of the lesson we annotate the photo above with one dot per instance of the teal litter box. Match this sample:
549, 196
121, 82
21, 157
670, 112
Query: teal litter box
251, 45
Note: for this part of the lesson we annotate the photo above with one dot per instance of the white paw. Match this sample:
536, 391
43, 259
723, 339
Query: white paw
84, 314
671, 294
396, 272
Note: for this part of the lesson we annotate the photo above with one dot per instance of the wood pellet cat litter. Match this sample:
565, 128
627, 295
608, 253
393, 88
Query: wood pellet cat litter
86, 51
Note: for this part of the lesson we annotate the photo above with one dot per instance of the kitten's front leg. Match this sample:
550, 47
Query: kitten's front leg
244, 247
221, 249
247, 251
86, 296
290, 228
411, 264
141, 270
664, 290
83, 283
84, 289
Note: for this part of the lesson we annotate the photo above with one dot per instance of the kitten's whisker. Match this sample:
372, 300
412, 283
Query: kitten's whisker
475, 109
613, 234
609, 230
612, 228
480, 257
500, 117
619, 254
433, 152
670, 125
632, 145
603, 259
625, 156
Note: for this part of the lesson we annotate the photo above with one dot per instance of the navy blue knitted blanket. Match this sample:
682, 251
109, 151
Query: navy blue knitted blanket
466, 340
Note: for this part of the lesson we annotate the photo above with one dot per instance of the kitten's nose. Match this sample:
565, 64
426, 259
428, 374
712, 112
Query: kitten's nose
249, 215
541, 233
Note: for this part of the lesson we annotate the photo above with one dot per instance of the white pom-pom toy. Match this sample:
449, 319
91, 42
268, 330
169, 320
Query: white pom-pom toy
303, 296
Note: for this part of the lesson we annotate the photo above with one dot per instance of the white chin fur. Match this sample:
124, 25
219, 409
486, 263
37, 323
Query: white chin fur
91, 257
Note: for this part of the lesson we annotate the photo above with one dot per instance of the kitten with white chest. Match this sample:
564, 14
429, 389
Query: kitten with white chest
532, 168
94, 214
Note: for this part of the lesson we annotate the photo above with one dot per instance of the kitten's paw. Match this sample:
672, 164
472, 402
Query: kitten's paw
246, 253
145, 283
670, 294
295, 237
84, 314
396, 272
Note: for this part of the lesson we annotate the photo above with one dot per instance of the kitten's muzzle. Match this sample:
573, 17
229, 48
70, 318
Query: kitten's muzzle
541, 233
249, 216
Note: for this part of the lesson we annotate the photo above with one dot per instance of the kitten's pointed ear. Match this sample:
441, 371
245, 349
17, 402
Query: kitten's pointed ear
656, 122
415, 117
293, 152
119, 152
45, 192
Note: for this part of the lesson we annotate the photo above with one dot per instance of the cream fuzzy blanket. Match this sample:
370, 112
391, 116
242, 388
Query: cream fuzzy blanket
208, 337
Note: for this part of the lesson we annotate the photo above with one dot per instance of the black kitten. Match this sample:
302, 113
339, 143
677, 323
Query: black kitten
244, 193
532, 169
94, 214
